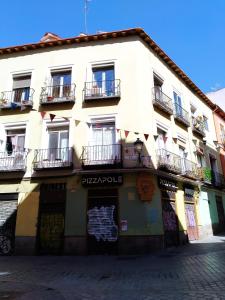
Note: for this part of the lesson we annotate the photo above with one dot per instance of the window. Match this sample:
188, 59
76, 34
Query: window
162, 139
222, 133
58, 142
104, 80
205, 122
182, 155
158, 82
103, 143
21, 88
177, 104
201, 160
103, 133
61, 84
15, 141
213, 163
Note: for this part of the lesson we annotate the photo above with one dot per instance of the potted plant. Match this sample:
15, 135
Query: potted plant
50, 98
3, 101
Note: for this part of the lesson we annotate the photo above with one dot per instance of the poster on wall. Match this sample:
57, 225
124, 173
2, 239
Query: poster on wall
145, 187
123, 225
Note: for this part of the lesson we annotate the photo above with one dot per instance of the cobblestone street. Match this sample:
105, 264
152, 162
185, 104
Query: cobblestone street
195, 271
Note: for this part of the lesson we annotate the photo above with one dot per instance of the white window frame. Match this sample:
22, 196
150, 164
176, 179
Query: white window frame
11, 127
102, 119
56, 123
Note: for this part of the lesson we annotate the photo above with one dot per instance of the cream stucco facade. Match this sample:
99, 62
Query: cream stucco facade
128, 116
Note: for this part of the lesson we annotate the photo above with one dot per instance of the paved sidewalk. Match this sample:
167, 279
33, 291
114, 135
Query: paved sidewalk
195, 271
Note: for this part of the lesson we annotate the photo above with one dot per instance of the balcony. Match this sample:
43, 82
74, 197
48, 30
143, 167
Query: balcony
22, 97
181, 115
212, 177
198, 126
218, 179
102, 156
13, 162
162, 101
58, 94
108, 89
169, 161
189, 169
53, 158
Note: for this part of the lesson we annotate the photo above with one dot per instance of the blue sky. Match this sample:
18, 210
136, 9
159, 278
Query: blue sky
191, 32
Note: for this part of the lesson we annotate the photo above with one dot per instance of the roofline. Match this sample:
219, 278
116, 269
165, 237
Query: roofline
118, 34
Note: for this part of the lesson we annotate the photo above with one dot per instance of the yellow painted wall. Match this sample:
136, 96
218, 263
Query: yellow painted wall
181, 209
27, 212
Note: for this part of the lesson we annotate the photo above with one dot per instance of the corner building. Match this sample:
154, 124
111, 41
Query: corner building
101, 151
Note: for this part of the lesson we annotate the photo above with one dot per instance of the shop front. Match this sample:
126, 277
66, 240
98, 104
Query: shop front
168, 190
8, 212
51, 220
102, 212
190, 212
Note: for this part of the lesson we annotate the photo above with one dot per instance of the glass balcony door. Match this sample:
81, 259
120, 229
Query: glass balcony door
61, 84
182, 155
104, 80
178, 104
15, 142
21, 89
103, 142
58, 146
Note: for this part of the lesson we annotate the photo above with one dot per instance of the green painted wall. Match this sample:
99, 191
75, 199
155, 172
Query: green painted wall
143, 218
212, 207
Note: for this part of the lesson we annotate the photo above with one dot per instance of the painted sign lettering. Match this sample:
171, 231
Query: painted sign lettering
101, 223
165, 183
102, 180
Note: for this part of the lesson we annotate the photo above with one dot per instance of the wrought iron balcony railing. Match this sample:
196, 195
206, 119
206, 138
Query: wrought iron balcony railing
53, 158
99, 156
212, 177
162, 101
17, 98
102, 89
189, 169
13, 161
198, 126
58, 94
181, 114
169, 161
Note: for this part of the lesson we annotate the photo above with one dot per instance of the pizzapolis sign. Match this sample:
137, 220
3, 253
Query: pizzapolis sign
101, 180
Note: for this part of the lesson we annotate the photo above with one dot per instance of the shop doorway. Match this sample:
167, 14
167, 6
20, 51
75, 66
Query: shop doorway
220, 211
8, 212
192, 229
102, 221
50, 238
170, 223
190, 213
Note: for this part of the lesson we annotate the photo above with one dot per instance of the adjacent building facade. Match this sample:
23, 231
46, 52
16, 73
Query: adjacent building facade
104, 152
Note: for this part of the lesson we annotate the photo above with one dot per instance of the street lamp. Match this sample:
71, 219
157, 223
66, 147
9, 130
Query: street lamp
138, 145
